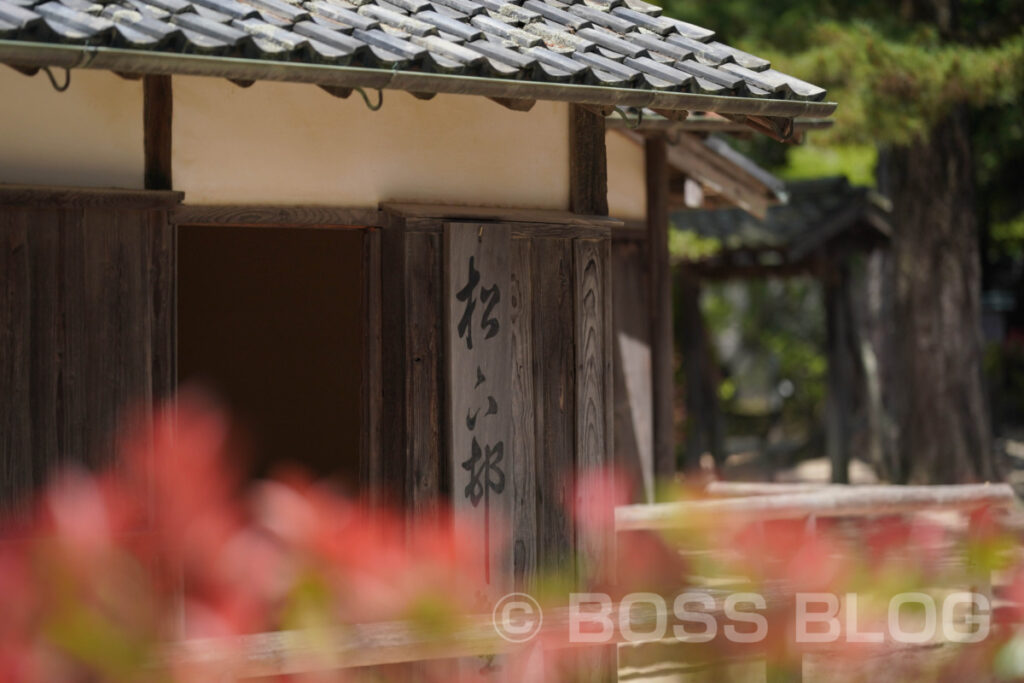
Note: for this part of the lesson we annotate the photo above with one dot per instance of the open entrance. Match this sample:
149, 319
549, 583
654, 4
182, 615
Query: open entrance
272, 321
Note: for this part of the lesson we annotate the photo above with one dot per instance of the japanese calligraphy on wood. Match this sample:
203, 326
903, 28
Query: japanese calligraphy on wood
478, 334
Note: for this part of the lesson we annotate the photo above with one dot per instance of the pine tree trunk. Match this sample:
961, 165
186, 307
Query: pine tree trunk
937, 393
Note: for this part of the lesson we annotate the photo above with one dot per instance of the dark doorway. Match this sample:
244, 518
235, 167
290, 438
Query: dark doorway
272, 320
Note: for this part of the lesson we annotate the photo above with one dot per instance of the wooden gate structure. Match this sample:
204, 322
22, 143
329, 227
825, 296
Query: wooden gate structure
488, 117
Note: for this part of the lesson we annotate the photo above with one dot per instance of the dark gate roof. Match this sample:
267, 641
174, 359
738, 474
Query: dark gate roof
487, 47
817, 214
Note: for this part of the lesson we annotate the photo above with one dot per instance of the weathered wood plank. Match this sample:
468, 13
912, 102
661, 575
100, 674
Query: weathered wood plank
393, 365
46, 407
163, 275
278, 216
554, 399
478, 352
157, 112
830, 502
662, 363
588, 166
370, 460
578, 219
83, 197
524, 447
427, 466
92, 291
593, 395
594, 424
551, 230
16, 346
375, 644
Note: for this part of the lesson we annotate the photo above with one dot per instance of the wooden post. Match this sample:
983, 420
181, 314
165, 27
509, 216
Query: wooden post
692, 347
839, 371
656, 161
157, 108
588, 163
588, 194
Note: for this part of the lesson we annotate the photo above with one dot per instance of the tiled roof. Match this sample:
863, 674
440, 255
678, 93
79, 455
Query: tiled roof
816, 212
625, 44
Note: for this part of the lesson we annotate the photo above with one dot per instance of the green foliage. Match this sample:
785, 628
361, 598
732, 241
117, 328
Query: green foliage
780, 322
1008, 236
893, 76
856, 162
895, 91
686, 245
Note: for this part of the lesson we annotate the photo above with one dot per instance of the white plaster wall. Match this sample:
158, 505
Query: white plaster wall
286, 143
89, 135
627, 198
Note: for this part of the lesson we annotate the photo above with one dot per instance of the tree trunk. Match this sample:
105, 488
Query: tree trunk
937, 393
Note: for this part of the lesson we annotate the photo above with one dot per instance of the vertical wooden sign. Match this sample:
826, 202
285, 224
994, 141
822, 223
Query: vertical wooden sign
478, 333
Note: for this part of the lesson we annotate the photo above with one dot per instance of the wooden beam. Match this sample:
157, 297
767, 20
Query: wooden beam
277, 216
86, 197
662, 369
514, 104
851, 502
588, 164
157, 111
442, 212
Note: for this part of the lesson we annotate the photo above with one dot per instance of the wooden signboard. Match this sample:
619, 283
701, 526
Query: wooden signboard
479, 344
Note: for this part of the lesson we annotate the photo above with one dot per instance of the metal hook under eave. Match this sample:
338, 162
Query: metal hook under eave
380, 99
630, 123
53, 79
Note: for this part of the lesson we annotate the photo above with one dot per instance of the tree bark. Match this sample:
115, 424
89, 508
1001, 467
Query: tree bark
937, 393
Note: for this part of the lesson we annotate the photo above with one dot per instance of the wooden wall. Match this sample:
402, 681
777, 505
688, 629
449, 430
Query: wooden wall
560, 381
86, 323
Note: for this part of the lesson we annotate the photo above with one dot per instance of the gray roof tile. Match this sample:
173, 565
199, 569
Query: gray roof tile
622, 43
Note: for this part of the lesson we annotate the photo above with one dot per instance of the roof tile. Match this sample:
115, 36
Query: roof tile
621, 43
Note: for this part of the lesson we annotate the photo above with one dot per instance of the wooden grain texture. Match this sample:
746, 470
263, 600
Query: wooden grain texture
90, 300
595, 545
576, 219
427, 467
393, 364
594, 409
588, 166
634, 428
15, 349
370, 454
828, 502
529, 230
554, 399
163, 272
524, 447
83, 197
660, 274
278, 216
478, 352
157, 112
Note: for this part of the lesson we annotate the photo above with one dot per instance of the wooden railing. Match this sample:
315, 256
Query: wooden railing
798, 502
293, 652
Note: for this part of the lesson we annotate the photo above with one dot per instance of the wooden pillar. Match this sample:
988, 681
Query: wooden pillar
692, 351
588, 163
840, 379
656, 162
588, 194
157, 109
